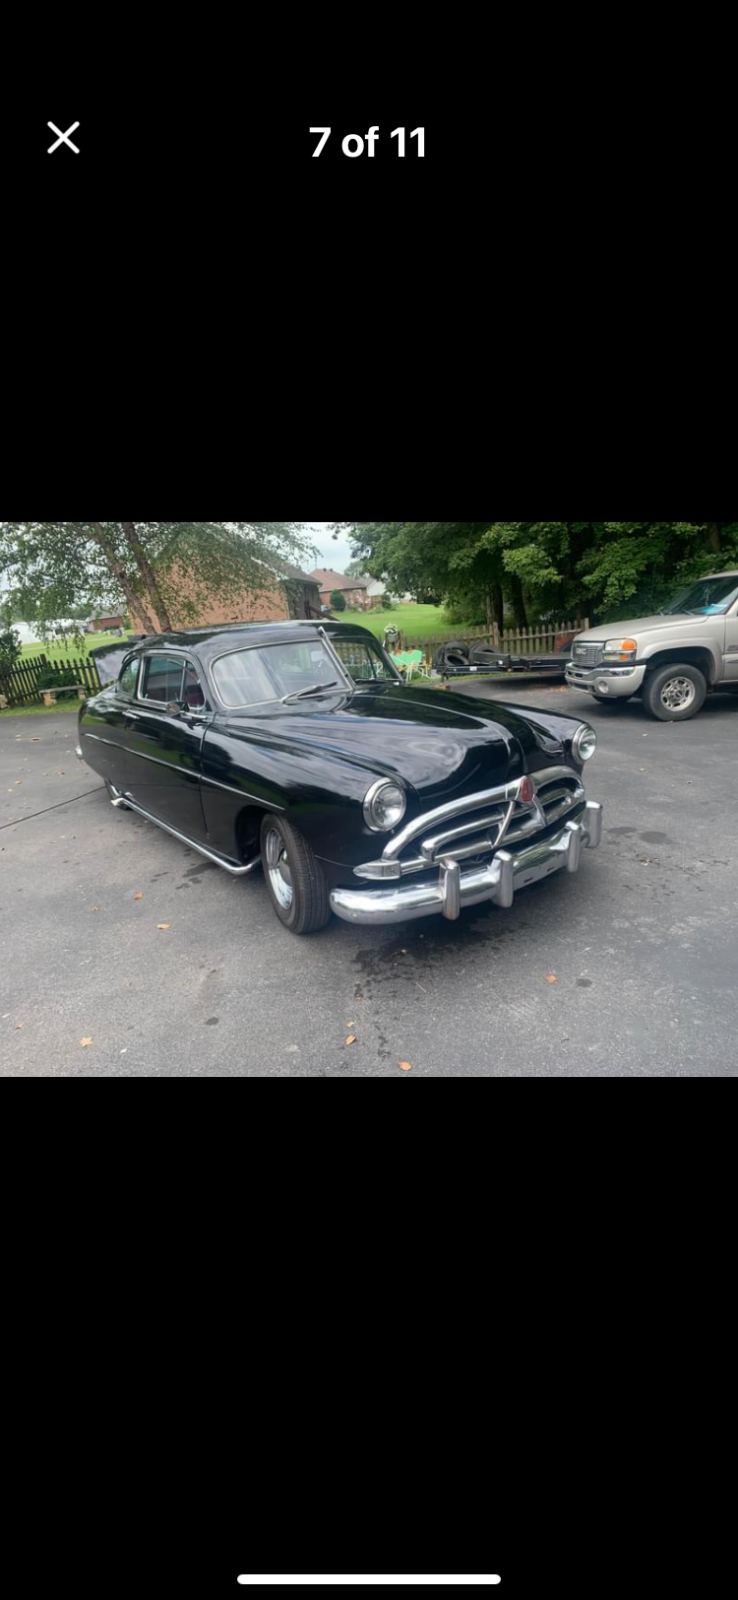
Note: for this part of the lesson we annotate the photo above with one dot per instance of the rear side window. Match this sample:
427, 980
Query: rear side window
129, 678
162, 679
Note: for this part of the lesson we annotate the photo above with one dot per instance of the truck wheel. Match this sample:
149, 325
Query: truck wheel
675, 693
294, 877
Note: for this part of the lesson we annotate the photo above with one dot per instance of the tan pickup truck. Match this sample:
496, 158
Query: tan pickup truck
671, 660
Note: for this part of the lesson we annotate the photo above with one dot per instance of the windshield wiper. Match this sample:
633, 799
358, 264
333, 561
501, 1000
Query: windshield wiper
317, 689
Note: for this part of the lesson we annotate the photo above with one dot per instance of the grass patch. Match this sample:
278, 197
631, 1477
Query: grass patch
416, 622
40, 710
69, 649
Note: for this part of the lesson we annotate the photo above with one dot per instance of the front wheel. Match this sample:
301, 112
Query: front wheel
294, 877
675, 693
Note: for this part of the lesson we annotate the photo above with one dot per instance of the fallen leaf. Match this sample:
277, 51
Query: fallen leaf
96, 908
405, 1066
552, 979
352, 1024
163, 926
138, 897
351, 1039
85, 1042
646, 861
18, 1027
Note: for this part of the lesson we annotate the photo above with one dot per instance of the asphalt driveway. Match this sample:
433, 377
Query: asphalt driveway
641, 944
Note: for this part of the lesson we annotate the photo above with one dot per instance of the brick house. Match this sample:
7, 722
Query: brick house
354, 590
290, 594
104, 622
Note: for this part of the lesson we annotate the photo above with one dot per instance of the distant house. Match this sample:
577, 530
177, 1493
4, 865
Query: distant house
376, 592
104, 622
287, 593
354, 590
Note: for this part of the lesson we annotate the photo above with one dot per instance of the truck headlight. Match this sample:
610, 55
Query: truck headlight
621, 650
384, 806
584, 743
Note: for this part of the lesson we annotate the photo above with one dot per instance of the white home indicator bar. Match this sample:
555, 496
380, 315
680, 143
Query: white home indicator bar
404, 1578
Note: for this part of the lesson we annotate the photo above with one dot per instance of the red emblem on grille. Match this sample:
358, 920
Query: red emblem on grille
526, 793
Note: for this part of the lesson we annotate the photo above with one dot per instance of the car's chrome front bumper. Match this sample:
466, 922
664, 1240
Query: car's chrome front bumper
499, 882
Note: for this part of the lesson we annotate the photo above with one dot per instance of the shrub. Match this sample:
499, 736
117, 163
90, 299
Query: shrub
387, 603
338, 601
57, 678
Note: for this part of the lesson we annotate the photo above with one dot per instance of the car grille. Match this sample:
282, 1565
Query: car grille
489, 827
588, 655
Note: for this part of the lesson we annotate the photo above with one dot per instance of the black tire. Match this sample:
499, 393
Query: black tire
296, 881
667, 697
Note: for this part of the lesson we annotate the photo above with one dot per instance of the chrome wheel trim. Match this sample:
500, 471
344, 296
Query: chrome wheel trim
678, 694
279, 870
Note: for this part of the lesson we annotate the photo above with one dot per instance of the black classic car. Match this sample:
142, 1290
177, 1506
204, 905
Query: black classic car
299, 746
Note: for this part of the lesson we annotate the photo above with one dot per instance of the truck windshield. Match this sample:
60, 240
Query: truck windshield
707, 598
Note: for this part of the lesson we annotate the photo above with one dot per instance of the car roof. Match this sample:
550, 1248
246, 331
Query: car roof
210, 642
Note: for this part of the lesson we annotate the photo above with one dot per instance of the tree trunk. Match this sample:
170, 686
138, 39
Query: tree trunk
151, 582
138, 612
499, 606
518, 600
715, 541
490, 610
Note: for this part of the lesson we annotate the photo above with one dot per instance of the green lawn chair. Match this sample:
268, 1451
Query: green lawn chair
409, 662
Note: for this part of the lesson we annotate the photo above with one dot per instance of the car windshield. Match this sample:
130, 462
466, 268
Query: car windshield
264, 675
706, 598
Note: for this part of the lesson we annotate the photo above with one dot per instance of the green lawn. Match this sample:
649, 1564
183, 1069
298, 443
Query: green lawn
41, 710
416, 622
71, 649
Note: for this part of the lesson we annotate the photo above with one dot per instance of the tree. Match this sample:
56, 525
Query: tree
555, 569
159, 569
338, 600
10, 650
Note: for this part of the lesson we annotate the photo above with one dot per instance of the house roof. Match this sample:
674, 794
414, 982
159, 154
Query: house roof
285, 569
336, 580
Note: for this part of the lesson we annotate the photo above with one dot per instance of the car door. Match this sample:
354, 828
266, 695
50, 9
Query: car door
165, 727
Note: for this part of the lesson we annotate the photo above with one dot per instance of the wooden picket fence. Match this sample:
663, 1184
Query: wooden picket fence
526, 642
20, 686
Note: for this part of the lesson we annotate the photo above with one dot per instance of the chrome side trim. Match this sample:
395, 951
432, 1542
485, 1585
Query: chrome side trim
98, 738
236, 872
242, 794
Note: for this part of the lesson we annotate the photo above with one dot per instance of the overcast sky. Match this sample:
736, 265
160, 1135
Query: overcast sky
333, 554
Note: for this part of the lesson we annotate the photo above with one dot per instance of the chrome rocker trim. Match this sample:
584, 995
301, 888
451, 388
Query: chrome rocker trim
455, 890
117, 799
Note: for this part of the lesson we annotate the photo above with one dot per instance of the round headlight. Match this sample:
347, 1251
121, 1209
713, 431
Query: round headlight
584, 744
385, 806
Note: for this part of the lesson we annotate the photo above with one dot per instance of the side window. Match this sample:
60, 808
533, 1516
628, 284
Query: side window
129, 678
194, 695
162, 679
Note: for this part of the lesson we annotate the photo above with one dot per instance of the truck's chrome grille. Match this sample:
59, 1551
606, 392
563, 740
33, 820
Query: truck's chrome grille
588, 655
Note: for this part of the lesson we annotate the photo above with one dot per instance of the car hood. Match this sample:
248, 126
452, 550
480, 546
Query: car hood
624, 630
440, 744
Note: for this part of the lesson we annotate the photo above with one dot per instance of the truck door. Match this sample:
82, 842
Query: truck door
730, 659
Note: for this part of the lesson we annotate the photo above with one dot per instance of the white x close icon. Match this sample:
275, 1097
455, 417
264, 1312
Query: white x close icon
63, 138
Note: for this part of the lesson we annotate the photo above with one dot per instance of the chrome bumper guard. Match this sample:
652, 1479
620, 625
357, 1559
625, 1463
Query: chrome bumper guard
455, 890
